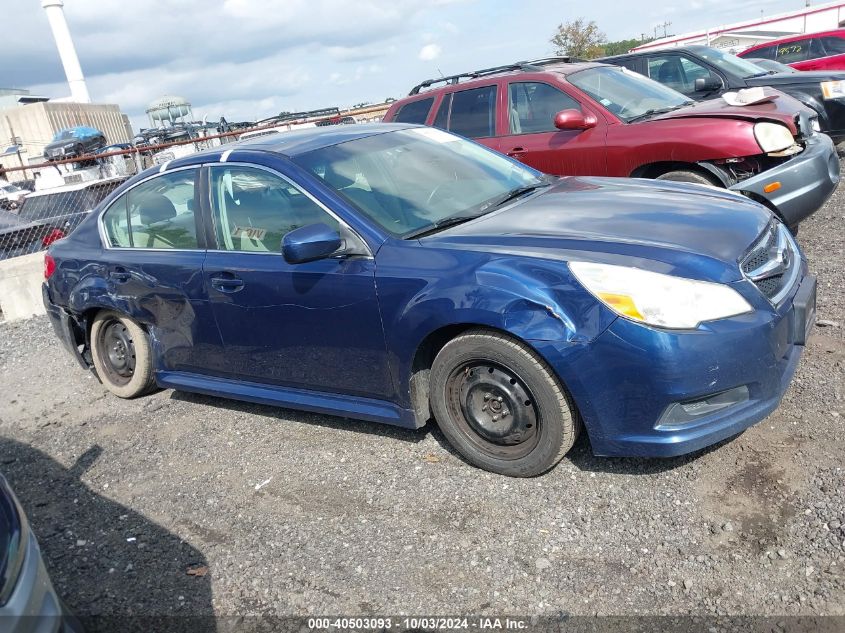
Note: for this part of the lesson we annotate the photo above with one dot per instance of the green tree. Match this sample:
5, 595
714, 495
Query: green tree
621, 47
578, 38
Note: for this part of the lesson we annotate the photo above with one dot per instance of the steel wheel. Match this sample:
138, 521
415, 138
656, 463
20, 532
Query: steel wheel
122, 354
495, 409
499, 405
117, 351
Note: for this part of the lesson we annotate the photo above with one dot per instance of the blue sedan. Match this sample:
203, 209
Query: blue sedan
397, 273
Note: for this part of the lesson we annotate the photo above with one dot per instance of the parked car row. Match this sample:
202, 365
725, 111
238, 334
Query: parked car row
594, 119
704, 73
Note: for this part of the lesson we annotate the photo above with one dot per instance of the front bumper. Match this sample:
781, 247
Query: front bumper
806, 181
626, 379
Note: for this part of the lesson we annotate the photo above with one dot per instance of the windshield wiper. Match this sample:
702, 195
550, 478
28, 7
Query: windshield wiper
656, 111
513, 194
442, 224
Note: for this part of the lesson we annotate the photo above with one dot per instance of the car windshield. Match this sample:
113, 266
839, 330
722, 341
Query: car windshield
773, 66
625, 93
64, 135
410, 181
731, 64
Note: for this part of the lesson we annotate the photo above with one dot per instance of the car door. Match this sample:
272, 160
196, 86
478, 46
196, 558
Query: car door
152, 265
313, 325
533, 139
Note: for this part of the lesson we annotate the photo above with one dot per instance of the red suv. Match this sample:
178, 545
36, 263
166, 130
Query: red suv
597, 120
811, 51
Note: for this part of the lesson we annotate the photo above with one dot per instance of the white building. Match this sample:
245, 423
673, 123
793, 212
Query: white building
741, 35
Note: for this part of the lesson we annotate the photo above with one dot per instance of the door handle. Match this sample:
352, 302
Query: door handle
120, 275
227, 284
516, 151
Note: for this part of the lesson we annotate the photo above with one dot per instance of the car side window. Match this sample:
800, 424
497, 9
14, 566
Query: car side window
254, 209
415, 111
796, 51
833, 45
677, 72
473, 112
158, 213
533, 106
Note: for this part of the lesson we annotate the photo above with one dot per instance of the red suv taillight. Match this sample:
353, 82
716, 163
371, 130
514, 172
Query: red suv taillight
53, 236
49, 266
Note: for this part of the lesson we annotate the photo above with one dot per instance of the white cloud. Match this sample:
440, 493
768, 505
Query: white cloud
430, 52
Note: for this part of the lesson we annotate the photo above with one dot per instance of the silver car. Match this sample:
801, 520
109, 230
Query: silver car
28, 602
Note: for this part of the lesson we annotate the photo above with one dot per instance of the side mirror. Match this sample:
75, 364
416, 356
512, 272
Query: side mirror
708, 84
574, 120
310, 243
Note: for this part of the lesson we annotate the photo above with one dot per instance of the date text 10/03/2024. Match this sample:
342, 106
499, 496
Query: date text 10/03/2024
427, 623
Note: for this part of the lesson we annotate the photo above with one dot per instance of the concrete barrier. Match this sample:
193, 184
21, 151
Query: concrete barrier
20, 286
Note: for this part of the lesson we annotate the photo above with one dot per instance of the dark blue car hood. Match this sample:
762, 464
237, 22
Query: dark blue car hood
662, 226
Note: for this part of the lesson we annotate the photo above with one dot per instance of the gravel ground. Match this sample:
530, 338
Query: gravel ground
184, 504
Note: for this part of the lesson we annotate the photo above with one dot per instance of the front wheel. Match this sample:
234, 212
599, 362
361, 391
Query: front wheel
685, 175
500, 405
122, 356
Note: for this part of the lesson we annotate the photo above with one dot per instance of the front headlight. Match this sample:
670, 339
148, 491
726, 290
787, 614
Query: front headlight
833, 89
773, 137
657, 299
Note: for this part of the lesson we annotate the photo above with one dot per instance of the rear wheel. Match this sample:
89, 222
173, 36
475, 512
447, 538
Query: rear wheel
500, 406
122, 356
685, 175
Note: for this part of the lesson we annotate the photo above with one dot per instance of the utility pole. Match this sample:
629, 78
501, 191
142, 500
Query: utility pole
14, 141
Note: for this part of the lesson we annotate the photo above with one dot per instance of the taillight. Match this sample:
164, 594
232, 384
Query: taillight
49, 265
53, 236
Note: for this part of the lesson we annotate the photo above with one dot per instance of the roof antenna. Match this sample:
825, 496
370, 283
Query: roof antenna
440, 71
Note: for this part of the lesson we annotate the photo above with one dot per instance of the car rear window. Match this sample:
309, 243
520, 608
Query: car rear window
833, 45
415, 111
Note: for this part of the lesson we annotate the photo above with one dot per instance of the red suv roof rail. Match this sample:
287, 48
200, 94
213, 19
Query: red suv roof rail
526, 66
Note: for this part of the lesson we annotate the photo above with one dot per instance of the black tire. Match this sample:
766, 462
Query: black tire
122, 356
500, 405
684, 175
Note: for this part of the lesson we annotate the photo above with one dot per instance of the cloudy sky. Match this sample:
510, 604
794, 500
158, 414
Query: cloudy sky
248, 59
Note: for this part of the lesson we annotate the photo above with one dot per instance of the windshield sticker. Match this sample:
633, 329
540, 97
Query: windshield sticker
250, 232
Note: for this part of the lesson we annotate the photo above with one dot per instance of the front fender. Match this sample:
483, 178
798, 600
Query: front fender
531, 299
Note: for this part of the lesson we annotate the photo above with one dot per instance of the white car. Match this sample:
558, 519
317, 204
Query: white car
11, 196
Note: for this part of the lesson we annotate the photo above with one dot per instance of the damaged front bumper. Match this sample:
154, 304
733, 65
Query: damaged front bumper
798, 187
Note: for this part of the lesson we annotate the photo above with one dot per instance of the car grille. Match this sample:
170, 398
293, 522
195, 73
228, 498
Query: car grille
773, 263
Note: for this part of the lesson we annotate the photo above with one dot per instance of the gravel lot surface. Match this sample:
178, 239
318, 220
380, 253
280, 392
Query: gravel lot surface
184, 504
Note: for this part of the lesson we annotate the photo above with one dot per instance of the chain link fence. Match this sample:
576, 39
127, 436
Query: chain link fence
42, 203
